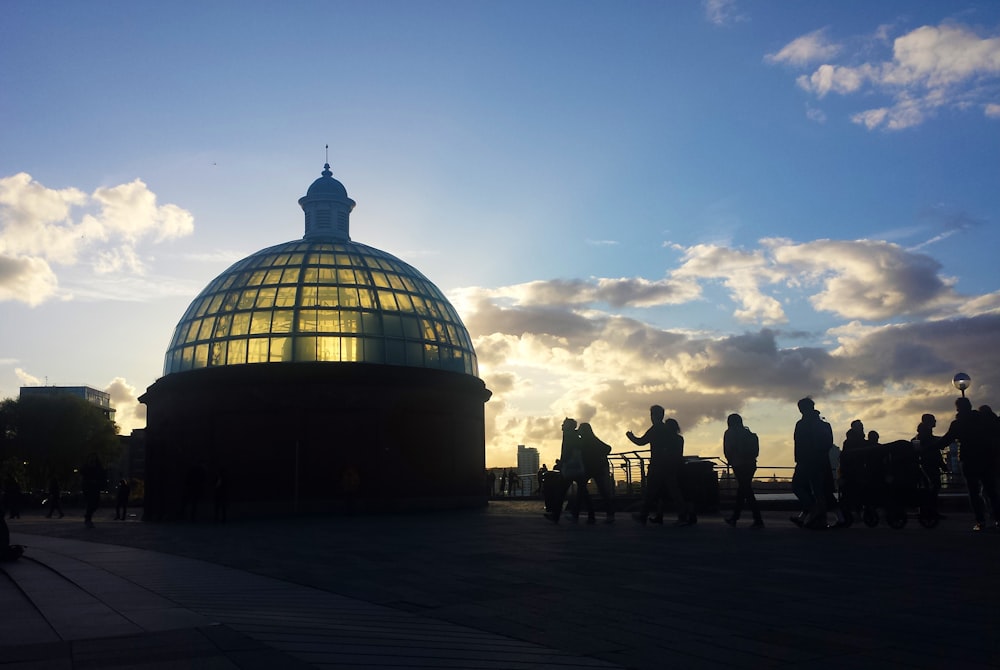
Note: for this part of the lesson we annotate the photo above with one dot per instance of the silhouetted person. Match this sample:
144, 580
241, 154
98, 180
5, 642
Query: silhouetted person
8, 552
503, 483
542, 471
852, 468
813, 439
93, 479
54, 502
976, 454
929, 451
491, 483
571, 471
121, 499
873, 438
220, 495
740, 446
666, 458
595, 466
12, 498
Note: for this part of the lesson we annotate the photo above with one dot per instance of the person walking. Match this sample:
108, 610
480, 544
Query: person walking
595, 466
977, 456
666, 458
813, 439
93, 480
741, 448
571, 471
54, 502
121, 499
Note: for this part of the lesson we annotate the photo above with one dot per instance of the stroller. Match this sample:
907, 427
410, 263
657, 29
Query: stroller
887, 477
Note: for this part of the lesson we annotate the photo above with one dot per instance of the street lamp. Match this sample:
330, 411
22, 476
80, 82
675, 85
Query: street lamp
962, 381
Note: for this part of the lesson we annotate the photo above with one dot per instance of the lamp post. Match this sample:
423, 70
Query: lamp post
962, 381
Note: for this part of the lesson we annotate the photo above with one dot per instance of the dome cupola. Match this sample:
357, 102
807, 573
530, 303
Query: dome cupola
327, 209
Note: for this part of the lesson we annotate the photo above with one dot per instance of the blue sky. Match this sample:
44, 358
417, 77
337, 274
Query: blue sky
714, 206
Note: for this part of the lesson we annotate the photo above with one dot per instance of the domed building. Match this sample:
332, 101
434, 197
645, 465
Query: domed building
317, 374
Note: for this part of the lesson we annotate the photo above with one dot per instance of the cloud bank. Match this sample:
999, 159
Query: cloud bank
41, 227
949, 66
550, 349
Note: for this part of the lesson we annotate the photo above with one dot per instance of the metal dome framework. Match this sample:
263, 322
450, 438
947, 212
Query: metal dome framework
321, 300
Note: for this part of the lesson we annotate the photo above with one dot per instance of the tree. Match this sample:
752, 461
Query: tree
52, 435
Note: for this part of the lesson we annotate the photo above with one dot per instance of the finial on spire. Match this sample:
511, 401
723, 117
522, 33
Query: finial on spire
327, 153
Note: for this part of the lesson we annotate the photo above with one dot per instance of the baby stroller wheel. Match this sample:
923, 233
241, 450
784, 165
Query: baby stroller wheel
870, 516
896, 519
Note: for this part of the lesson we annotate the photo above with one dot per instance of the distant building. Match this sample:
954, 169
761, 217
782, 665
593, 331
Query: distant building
527, 466
93, 396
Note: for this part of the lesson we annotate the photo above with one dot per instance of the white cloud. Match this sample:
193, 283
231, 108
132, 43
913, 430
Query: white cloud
129, 412
722, 12
866, 279
26, 279
742, 273
40, 226
806, 49
931, 67
992, 110
27, 379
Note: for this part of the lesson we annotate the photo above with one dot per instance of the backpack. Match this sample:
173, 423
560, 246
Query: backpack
749, 445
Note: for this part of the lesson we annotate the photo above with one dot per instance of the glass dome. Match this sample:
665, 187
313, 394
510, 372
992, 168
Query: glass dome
322, 298
315, 300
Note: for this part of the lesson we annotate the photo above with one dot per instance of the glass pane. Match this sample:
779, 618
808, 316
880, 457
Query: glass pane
281, 322
285, 297
308, 298
395, 282
201, 355
418, 305
305, 348
257, 278
310, 275
205, 332
273, 277
387, 300
218, 356
349, 349
281, 349
350, 322
431, 355
307, 321
327, 276
247, 298
392, 324
257, 350
346, 276
290, 276
241, 324
371, 324
237, 352
328, 296
348, 296
261, 323
414, 354
187, 356
411, 328
222, 326
366, 298
394, 352
266, 297
328, 348
374, 350
328, 321
380, 280
405, 304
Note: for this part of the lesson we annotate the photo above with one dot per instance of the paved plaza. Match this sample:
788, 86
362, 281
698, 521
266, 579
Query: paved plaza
497, 588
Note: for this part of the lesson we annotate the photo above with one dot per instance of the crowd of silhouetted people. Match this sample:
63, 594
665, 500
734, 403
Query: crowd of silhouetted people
835, 486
